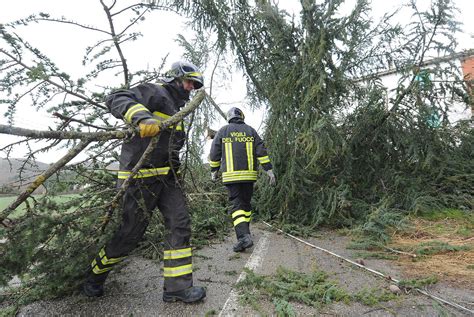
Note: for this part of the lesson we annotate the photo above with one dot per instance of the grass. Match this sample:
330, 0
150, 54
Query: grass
20, 210
437, 247
457, 214
234, 257
375, 255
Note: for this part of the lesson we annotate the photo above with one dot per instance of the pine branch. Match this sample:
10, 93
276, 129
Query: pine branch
66, 135
190, 107
87, 138
216, 106
73, 23
70, 119
46, 79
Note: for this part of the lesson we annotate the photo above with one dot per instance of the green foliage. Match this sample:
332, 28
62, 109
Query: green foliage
437, 247
373, 296
418, 283
298, 230
211, 312
375, 255
283, 308
9, 311
209, 217
58, 241
234, 257
311, 289
342, 155
448, 213
367, 243
37, 72
60, 236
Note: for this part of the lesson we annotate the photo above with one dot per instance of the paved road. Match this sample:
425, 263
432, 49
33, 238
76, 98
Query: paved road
137, 289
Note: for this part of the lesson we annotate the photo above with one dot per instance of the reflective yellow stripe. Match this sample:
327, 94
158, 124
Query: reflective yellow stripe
143, 173
239, 175
249, 147
237, 179
241, 212
264, 159
161, 115
241, 219
193, 74
96, 270
134, 109
177, 254
106, 260
229, 160
214, 163
178, 270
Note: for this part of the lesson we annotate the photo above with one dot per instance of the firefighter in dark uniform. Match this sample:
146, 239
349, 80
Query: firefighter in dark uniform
155, 185
236, 150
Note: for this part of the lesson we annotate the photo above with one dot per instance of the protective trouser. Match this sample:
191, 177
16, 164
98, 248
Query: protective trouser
139, 201
240, 195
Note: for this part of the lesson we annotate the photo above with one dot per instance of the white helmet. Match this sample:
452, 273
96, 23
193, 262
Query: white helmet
185, 70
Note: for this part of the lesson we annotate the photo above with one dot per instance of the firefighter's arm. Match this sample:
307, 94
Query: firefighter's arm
264, 159
216, 152
131, 105
261, 152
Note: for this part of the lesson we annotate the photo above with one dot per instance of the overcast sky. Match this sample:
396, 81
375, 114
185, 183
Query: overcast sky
65, 45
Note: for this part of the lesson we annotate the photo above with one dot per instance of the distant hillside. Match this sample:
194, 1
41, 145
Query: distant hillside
10, 170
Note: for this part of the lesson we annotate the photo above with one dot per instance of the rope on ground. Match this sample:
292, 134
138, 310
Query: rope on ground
373, 271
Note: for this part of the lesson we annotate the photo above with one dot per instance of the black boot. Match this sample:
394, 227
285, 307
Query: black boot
91, 289
244, 242
188, 295
94, 284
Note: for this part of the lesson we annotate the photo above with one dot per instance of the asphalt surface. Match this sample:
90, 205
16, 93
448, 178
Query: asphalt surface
136, 289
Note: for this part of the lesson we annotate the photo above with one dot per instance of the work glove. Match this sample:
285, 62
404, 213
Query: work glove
149, 127
214, 175
272, 178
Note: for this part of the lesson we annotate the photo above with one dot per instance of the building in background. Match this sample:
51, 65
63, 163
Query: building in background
430, 83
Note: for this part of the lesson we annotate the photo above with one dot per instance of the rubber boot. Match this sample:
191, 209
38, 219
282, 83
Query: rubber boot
243, 243
188, 295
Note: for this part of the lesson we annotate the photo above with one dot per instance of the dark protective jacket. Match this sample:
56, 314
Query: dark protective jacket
236, 150
144, 101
